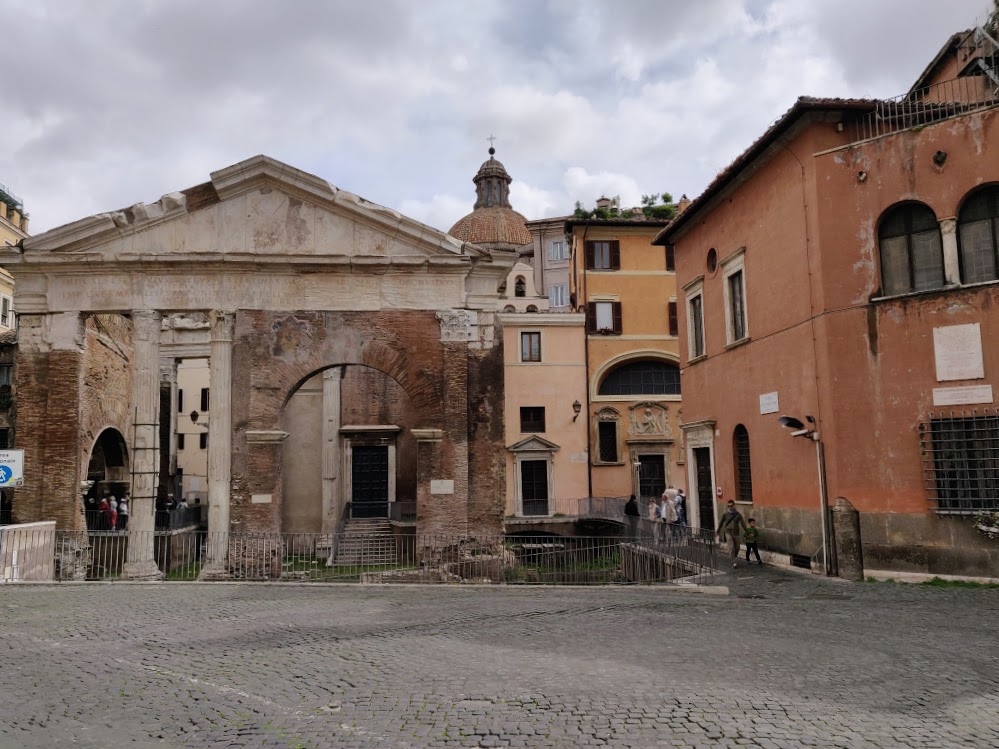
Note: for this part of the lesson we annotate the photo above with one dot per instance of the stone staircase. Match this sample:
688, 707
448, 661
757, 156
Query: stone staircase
367, 542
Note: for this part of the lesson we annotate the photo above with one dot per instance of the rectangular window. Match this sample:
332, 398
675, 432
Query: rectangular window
670, 258
558, 295
180, 401
695, 312
604, 317
204, 399
180, 441
534, 486
530, 346
203, 440
607, 441
961, 463
5, 442
556, 251
532, 419
603, 255
6, 375
736, 306
5, 312
674, 324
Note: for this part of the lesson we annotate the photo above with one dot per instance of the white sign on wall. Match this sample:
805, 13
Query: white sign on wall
11, 468
962, 396
957, 350
769, 403
441, 486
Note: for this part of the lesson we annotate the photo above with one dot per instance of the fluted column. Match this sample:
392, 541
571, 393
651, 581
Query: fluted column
145, 447
332, 493
219, 438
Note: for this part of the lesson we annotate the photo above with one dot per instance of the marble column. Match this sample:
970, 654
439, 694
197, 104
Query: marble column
219, 438
333, 499
140, 563
952, 261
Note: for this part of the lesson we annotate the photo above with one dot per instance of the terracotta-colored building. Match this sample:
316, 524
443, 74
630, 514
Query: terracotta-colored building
627, 289
843, 271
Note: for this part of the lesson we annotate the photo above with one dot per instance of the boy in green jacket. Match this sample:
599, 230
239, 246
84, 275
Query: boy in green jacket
751, 536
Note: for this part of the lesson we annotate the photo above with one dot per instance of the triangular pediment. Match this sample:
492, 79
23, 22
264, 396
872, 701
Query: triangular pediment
259, 207
533, 444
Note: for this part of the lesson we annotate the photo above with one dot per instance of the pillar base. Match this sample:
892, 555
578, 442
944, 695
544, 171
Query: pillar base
215, 570
144, 569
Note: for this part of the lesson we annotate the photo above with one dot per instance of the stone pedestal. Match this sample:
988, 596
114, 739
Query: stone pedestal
849, 549
140, 563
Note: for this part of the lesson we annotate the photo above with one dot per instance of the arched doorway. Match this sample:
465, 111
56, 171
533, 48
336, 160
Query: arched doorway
349, 441
107, 470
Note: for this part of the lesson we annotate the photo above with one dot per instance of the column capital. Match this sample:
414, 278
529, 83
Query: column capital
223, 324
146, 324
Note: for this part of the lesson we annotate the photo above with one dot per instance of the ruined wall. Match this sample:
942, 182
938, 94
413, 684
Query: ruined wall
274, 352
487, 463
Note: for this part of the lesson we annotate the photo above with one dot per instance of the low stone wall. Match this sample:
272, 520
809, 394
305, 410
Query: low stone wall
27, 552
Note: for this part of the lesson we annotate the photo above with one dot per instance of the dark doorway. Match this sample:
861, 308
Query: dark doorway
534, 486
705, 489
369, 481
651, 475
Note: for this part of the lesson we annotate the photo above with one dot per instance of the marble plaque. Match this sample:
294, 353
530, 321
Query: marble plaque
441, 486
957, 350
261, 499
962, 396
769, 403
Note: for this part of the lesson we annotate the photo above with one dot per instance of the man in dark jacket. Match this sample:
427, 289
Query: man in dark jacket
631, 517
731, 526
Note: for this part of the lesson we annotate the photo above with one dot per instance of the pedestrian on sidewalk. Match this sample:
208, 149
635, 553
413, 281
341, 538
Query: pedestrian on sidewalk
751, 536
123, 513
729, 528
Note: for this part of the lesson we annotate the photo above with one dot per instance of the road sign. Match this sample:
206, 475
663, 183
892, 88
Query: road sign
11, 468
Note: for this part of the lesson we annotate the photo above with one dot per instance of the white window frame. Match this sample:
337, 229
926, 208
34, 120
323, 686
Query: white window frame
692, 291
8, 321
735, 263
558, 295
557, 250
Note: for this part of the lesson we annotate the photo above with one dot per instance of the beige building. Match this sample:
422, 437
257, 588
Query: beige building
13, 228
550, 250
192, 429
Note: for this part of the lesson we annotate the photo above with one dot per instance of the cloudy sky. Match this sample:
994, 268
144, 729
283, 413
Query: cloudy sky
112, 102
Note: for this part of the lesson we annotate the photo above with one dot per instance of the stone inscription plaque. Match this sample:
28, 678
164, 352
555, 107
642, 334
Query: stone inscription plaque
769, 403
442, 486
962, 396
957, 350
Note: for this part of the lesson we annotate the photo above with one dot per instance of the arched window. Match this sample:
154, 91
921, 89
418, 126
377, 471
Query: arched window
648, 377
520, 287
978, 229
743, 465
911, 250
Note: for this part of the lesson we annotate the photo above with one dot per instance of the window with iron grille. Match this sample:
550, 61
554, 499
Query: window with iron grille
642, 378
743, 466
978, 231
532, 419
530, 346
607, 441
961, 462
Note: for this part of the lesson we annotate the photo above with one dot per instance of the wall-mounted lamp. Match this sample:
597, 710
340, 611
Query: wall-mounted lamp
939, 158
576, 408
798, 429
194, 416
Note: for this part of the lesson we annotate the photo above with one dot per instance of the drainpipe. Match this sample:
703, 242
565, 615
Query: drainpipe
820, 459
586, 367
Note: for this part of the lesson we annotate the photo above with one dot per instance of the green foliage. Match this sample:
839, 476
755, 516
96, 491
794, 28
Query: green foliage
651, 208
939, 582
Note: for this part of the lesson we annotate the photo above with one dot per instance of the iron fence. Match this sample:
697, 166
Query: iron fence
931, 104
402, 511
647, 552
960, 452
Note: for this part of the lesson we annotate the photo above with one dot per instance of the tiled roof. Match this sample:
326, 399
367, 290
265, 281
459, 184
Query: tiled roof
496, 225
780, 126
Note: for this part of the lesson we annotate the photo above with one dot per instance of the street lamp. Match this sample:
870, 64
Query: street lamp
800, 430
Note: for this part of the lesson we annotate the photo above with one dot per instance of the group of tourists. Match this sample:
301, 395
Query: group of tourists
165, 506
728, 533
110, 514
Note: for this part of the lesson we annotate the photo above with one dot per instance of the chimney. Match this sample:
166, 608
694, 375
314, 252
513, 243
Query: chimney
603, 202
24, 223
683, 204
14, 217
638, 212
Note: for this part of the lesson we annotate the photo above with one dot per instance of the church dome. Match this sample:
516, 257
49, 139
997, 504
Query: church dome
493, 222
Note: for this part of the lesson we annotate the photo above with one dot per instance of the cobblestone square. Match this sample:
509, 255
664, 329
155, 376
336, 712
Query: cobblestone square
785, 661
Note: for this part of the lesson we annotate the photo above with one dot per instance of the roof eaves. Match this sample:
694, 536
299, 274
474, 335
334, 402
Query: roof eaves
613, 222
783, 123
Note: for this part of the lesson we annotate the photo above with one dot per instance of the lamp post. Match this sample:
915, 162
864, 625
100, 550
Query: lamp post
800, 430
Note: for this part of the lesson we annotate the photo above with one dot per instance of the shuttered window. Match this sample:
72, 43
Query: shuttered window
604, 318
603, 254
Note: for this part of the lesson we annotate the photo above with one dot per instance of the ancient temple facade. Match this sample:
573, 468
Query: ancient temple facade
354, 358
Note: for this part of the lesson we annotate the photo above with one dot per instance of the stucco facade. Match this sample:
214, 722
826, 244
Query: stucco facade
801, 223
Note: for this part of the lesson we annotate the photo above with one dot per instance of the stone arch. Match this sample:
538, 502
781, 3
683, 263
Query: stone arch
108, 470
614, 362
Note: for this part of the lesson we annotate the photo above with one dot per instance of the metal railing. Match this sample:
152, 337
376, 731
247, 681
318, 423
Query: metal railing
645, 552
403, 511
608, 508
931, 104
960, 455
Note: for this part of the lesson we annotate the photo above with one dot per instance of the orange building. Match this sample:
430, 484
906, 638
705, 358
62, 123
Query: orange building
843, 272
627, 289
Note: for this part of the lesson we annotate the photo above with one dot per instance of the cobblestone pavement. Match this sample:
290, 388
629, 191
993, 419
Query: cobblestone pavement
785, 661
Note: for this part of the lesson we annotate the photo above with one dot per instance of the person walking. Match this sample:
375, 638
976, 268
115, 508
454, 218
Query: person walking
729, 528
631, 516
681, 512
123, 513
104, 514
752, 537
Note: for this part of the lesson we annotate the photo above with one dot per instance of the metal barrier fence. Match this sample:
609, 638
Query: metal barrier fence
645, 552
